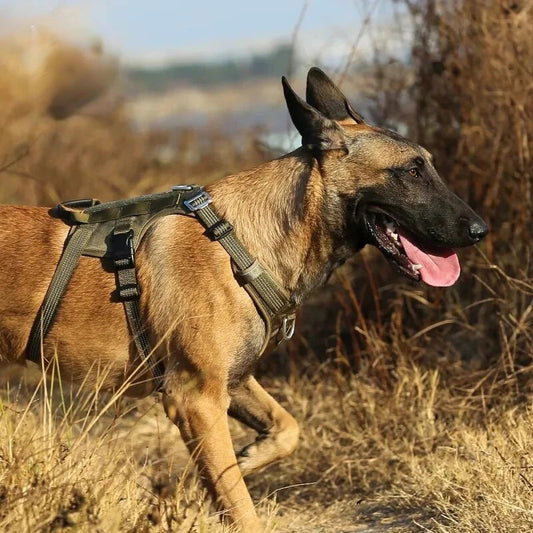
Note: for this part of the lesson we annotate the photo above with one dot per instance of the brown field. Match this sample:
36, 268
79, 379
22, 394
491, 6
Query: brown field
415, 403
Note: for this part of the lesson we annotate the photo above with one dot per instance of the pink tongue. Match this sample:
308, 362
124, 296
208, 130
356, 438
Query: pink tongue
440, 270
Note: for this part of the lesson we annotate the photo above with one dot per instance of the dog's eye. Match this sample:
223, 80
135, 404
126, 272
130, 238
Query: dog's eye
414, 172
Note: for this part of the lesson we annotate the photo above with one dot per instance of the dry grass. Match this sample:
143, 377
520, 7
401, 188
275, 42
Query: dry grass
415, 403
68, 463
398, 446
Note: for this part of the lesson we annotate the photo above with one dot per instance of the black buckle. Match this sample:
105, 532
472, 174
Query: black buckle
219, 230
123, 252
198, 201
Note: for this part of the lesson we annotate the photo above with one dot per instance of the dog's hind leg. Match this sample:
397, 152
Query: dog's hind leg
277, 430
200, 412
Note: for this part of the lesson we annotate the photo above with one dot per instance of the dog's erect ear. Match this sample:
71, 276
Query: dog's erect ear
325, 96
317, 131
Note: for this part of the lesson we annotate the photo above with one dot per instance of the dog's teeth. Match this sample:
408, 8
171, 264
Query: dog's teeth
416, 268
394, 235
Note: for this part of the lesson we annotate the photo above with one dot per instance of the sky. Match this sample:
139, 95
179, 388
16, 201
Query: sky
158, 31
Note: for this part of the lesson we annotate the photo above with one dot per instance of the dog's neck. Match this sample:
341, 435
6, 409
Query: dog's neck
280, 212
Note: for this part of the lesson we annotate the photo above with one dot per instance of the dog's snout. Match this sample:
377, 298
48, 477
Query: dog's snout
477, 230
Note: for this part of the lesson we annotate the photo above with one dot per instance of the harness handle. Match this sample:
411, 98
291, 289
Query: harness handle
73, 211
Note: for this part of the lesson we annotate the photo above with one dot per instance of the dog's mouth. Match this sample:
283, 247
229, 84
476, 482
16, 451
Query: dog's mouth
435, 266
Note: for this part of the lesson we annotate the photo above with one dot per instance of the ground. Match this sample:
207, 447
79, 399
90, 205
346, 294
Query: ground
404, 459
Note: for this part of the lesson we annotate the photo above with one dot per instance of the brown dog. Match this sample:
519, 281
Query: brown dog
301, 215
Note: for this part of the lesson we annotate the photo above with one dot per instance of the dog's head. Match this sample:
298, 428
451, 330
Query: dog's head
390, 194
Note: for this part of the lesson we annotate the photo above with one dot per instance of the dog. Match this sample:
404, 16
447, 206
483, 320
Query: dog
302, 215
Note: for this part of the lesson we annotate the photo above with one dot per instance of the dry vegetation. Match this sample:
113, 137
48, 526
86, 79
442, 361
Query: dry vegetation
415, 403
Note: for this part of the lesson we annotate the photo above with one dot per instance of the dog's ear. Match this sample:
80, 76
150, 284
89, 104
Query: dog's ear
317, 131
325, 96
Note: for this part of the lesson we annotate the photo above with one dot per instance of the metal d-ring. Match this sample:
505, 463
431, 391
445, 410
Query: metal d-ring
288, 326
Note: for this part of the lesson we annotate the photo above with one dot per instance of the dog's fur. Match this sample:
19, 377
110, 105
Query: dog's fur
301, 215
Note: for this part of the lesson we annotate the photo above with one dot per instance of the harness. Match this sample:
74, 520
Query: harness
114, 231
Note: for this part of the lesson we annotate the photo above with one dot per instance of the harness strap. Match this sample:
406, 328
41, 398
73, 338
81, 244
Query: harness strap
72, 250
129, 292
271, 298
272, 293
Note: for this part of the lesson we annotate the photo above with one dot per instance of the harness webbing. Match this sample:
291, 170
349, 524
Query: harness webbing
75, 243
115, 230
128, 291
248, 268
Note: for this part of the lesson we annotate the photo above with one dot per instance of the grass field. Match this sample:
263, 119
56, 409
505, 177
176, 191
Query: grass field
415, 403
435, 449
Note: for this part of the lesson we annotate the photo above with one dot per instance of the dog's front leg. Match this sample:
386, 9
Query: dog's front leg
200, 411
278, 430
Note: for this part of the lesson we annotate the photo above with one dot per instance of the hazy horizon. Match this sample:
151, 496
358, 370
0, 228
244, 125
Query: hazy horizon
166, 31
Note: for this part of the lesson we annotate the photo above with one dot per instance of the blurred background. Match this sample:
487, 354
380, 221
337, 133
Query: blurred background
176, 77
179, 65
112, 99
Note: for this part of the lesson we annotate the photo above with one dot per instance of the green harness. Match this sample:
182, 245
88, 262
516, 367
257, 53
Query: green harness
114, 230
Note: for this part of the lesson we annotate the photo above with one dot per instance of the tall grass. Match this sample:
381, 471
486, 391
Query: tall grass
73, 458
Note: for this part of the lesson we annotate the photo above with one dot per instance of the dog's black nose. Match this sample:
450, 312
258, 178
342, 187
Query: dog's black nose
477, 230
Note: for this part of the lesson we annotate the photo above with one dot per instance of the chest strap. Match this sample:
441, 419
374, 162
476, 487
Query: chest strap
129, 293
122, 240
72, 251
269, 296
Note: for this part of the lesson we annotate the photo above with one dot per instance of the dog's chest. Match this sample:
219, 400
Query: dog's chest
248, 353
